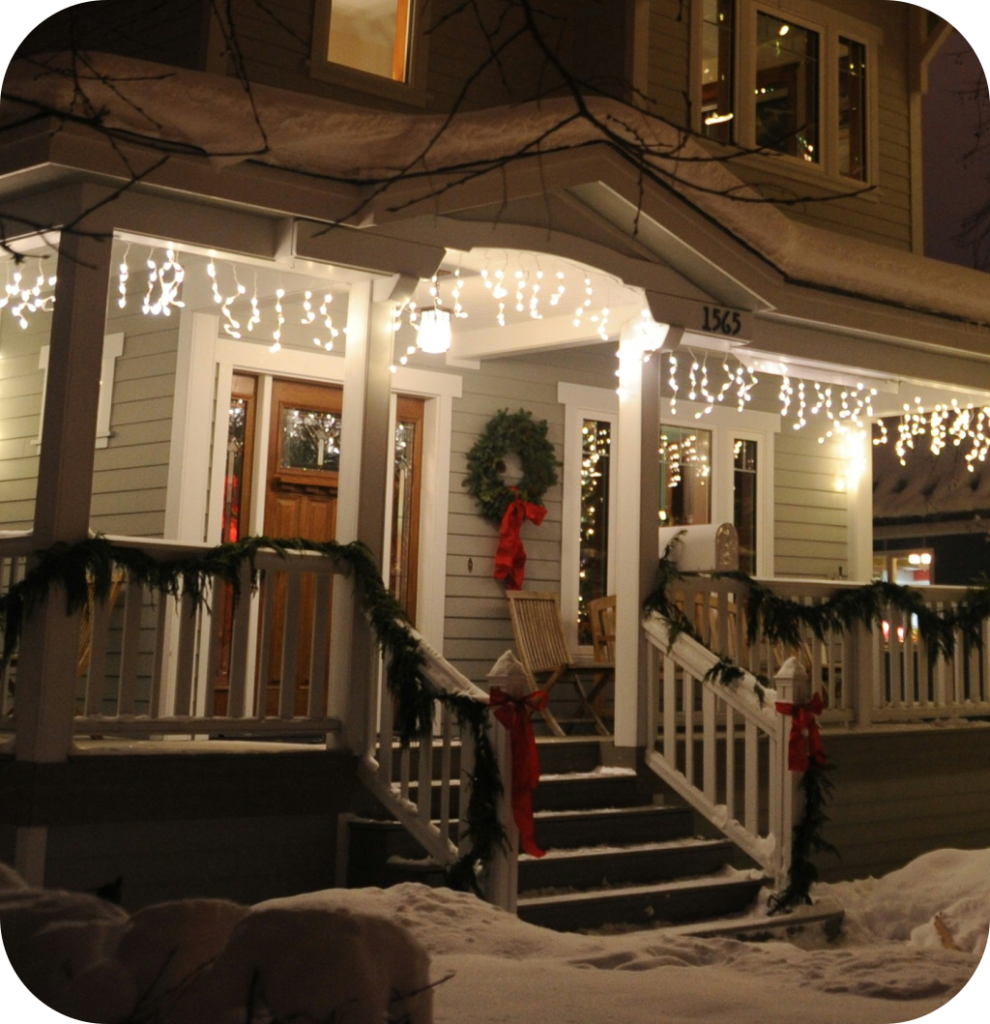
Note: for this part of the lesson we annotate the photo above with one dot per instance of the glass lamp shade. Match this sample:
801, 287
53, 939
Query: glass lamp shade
434, 330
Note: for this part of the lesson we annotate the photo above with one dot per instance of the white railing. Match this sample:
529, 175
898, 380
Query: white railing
154, 664
427, 785
864, 676
720, 746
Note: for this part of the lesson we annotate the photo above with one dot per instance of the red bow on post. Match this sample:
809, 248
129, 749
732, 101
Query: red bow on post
510, 559
514, 713
804, 747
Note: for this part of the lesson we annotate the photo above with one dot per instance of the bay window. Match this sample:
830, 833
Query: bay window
790, 82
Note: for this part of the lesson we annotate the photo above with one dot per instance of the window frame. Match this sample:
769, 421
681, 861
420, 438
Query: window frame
412, 90
831, 26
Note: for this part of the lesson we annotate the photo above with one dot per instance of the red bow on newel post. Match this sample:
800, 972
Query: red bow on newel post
804, 747
510, 559
514, 713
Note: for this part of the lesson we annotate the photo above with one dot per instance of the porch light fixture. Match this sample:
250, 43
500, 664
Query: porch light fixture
434, 333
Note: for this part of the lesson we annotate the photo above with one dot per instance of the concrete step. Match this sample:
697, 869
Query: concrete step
642, 906
613, 865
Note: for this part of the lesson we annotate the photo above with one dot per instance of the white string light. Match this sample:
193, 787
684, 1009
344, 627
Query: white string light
24, 300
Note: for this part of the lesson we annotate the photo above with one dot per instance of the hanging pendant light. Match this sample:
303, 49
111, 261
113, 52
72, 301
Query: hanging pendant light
434, 330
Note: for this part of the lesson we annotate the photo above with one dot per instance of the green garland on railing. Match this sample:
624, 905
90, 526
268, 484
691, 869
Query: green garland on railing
807, 839
85, 570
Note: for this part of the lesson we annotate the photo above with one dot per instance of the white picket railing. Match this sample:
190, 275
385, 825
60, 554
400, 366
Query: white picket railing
429, 789
149, 662
14, 551
864, 676
720, 746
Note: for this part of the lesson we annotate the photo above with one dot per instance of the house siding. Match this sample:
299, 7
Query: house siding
21, 385
477, 628
130, 475
901, 793
810, 509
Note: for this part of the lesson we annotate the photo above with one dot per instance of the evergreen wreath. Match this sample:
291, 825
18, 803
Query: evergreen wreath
85, 570
506, 433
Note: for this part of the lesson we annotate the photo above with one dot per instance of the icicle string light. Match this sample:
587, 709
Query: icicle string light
24, 298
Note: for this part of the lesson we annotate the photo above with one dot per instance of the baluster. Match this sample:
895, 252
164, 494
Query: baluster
751, 780
424, 794
240, 647
652, 693
158, 682
709, 740
670, 711
188, 623
730, 762
386, 716
212, 626
321, 646
405, 756
267, 616
96, 678
290, 647
689, 727
446, 759
131, 645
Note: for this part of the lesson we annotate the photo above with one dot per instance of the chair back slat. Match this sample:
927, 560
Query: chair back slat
538, 629
601, 611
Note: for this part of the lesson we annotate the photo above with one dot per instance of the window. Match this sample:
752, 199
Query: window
596, 476
685, 472
370, 45
795, 82
744, 501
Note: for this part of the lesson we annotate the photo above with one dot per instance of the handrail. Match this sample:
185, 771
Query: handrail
727, 784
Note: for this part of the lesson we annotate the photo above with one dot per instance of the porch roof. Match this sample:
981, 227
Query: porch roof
692, 217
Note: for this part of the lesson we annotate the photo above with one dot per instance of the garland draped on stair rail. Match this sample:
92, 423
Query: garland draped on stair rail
85, 571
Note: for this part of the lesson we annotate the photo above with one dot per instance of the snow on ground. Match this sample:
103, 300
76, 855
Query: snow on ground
893, 962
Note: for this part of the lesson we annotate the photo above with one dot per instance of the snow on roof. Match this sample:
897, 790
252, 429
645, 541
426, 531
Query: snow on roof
216, 115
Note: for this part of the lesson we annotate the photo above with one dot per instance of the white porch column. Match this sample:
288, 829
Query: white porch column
361, 501
46, 678
859, 499
636, 514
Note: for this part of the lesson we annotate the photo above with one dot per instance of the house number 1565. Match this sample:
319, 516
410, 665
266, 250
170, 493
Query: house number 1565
721, 321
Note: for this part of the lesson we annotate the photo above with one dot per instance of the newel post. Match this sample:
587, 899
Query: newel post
787, 799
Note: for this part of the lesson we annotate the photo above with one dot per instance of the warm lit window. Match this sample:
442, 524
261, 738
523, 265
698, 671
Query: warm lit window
596, 476
685, 476
371, 36
797, 85
745, 509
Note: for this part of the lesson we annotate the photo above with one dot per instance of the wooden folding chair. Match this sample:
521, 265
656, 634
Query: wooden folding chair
543, 652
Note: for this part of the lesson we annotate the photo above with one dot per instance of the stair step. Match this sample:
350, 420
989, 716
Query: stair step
571, 791
618, 826
642, 906
645, 863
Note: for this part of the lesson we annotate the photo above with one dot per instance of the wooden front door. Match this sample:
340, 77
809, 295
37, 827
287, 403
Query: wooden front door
300, 501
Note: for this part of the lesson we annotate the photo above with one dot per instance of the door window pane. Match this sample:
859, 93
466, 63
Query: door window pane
685, 470
371, 36
596, 450
717, 71
310, 440
787, 88
744, 502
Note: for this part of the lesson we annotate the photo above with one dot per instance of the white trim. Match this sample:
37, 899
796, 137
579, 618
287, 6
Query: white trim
726, 425
581, 403
113, 349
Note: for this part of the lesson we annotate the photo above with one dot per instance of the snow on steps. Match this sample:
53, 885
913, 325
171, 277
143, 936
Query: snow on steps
614, 858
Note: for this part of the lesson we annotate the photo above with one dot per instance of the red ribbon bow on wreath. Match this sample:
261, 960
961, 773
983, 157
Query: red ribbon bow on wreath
514, 713
804, 747
510, 559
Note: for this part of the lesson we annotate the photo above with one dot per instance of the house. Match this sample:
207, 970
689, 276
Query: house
240, 242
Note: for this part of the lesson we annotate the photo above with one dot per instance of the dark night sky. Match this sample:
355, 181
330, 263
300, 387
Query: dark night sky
953, 187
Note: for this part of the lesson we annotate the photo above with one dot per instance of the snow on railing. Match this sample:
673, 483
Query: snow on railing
720, 745
427, 784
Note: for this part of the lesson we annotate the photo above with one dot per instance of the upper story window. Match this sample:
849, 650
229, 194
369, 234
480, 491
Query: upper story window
795, 83
370, 36
371, 46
